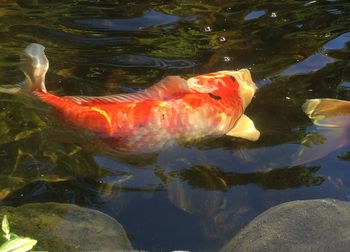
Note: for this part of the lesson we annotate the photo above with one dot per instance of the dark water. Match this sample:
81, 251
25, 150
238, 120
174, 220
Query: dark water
193, 197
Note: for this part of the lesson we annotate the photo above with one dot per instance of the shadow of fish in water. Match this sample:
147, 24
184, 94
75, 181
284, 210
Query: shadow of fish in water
332, 119
171, 110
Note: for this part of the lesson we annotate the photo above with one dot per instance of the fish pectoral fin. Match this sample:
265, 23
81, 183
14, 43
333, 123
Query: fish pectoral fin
245, 128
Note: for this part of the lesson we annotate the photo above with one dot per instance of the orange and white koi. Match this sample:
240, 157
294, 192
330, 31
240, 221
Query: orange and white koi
149, 120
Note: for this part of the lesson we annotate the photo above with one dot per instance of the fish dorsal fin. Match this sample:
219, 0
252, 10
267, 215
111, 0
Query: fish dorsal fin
200, 84
330, 113
168, 87
245, 128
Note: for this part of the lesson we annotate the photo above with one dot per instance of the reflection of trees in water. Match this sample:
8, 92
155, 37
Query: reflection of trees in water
80, 191
212, 178
249, 43
224, 201
344, 156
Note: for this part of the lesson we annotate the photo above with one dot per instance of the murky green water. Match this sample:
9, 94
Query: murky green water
193, 197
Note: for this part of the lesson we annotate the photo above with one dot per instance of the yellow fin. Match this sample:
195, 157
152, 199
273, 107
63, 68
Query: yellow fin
245, 128
330, 113
332, 118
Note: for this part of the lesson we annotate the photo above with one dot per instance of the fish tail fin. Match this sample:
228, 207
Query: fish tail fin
34, 65
332, 118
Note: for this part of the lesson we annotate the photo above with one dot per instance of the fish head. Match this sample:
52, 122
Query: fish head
34, 65
226, 84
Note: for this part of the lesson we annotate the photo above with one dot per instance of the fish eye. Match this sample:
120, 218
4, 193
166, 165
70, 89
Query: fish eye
216, 97
233, 78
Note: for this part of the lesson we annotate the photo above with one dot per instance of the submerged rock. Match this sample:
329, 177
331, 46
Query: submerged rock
309, 225
66, 227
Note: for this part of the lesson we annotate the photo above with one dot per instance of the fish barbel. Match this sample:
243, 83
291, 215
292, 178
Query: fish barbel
149, 120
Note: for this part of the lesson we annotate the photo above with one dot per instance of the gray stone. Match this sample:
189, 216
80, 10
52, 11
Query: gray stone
309, 225
66, 227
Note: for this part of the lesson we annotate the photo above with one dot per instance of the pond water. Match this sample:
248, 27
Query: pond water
198, 196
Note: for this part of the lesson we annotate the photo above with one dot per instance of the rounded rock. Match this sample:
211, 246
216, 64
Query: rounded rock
66, 227
307, 225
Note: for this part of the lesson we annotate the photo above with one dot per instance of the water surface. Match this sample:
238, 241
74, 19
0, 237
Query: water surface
193, 197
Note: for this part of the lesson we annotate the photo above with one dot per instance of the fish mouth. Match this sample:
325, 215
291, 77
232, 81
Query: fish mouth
246, 79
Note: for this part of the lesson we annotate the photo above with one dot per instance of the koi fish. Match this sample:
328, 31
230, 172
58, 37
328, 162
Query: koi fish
332, 118
149, 120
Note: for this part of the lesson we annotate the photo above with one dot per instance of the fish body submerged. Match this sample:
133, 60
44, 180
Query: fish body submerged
332, 119
149, 120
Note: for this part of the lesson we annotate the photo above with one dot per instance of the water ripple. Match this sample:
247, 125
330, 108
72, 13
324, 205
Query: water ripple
149, 19
145, 61
254, 15
338, 43
91, 40
311, 64
345, 84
